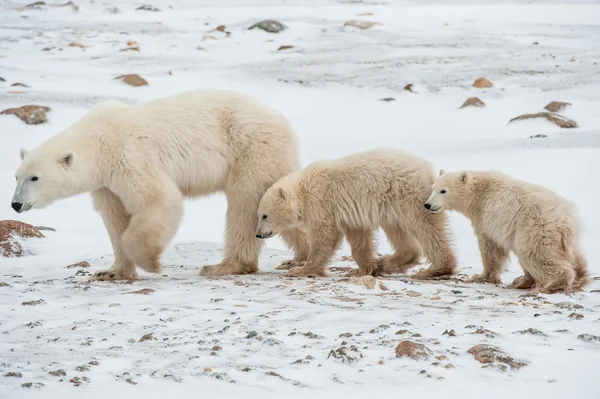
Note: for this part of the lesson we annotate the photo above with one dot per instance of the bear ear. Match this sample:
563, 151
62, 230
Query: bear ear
281, 193
442, 171
23, 153
68, 159
464, 177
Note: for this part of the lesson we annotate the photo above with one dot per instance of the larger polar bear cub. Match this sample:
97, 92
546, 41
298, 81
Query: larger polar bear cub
352, 197
511, 215
140, 161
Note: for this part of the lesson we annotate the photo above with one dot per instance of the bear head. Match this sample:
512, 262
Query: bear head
448, 192
277, 211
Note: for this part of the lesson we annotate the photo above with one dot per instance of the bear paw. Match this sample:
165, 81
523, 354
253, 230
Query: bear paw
290, 264
228, 268
431, 273
113, 275
304, 272
482, 278
361, 272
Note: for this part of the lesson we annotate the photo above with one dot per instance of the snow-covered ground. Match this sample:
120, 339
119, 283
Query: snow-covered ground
267, 335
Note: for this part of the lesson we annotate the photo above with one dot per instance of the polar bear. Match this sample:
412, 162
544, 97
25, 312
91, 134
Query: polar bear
511, 215
139, 162
352, 197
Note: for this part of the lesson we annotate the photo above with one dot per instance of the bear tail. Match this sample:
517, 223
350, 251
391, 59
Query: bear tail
582, 276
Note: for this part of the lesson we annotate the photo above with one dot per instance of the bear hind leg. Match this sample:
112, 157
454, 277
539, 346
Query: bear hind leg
407, 251
298, 242
324, 240
363, 252
432, 233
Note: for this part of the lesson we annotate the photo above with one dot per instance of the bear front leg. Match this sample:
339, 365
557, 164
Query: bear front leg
363, 252
431, 230
324, 241
298, 242
494, 258
116, 220
523, 282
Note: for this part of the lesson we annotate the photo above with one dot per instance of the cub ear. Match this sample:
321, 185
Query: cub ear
281, 193
68, 159
442, 171
23, 153
464, 177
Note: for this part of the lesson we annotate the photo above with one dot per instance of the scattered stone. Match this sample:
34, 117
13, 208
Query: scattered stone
14, 374
413, 294
3, 284
556, 106
538, 136
44, 228
361, 24
576, 316
130, 48
147, 7
449, 366
493, 356
83, 263
531, 331
285, 47
33, 303
208, 37
568, 305
30, 114
366, 281
143, 291
387, 99
588, 337
409, 87
343, 353
76, 381
9, 230
435, 298
216, 348
113, 10
269, 25
473, 102
441, 357
2, 79
146, 337
456, 292
450, 333
557, 119
482, 83
18, 84
251, 334
82, 368
33, 6
412, 350
133, 79
312, 335
58, 373
77, 44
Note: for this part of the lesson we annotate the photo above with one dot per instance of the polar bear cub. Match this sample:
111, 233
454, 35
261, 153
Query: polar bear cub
352, 197
511, 215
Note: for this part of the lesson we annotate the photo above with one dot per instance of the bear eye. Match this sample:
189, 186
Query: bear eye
442, 191
264, 217
34, 178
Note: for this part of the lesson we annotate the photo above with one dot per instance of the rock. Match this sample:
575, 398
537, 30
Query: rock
557, 119
473, 102
33, 6
576, 316
482, 83
413, 294
251, 334
77, 44
456, 292
11, 228
33, 303
220, 28
2, 79
113, 10
57, 373
435, 298
345, 335
3, 284
556, 106
14, 374
531, 331
366, 281
83, 263
133, 79
44, 228
345, 354
412, 350
361, 24
285, 47
538, 136
387, 99
269, 25
18, 84
588, 337
493, 356
143, 291
76, 381
147, 7
114, 305
30, 114
146, 337
130, 48
409, 87
450, 333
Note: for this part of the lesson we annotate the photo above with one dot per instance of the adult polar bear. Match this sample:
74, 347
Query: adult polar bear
140, 161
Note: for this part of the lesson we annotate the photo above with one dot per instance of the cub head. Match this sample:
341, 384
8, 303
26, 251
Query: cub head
448, 191
277, 211
42, 179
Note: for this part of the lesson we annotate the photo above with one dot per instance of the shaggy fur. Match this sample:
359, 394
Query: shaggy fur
140, 161
510, 215
352, 197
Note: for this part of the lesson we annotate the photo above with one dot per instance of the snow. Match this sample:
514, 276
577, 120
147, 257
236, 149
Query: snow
329, 87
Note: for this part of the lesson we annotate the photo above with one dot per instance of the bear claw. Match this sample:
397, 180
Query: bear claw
290, 264
109, 275
304, 272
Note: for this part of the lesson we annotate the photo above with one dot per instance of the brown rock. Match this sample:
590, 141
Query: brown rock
33, 303
412, 350
473, 102
366, 281
409, 87
30, 114
35, 5
220, 28
133, 79
361, 24
482, 83
143, 291
77, 44
146, 337
435, 298
491, 355
556, 106
131, 48
285, 47
11, 228
208, 37
413, 294
57, 373
14, 374
18, 84
83, 263
269, 25
557, 119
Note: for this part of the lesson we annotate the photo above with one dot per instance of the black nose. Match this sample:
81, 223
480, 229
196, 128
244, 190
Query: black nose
427, 206
258, 236
16, 206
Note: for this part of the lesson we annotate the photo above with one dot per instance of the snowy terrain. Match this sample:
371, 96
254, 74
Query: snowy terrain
271, 336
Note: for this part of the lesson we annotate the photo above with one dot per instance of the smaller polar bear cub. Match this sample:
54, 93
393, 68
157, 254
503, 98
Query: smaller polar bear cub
538, 225
351, 197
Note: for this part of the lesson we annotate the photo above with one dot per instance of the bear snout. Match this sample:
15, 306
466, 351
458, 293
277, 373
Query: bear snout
17, 206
